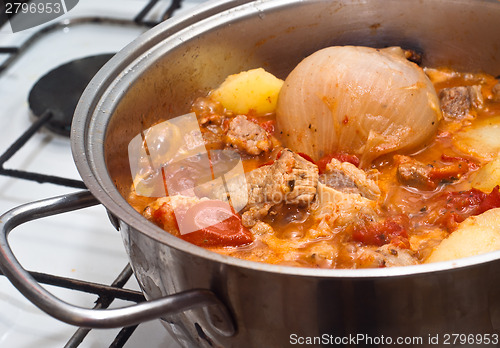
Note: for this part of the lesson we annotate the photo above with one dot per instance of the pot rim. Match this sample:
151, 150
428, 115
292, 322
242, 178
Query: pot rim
88, 135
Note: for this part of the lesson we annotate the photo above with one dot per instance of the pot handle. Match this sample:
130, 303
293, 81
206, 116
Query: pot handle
216, 312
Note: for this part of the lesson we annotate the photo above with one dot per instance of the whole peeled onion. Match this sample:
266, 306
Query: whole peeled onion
359, 100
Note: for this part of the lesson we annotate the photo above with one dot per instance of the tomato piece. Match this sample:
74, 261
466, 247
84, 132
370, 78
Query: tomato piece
458, 166
225, 125
449, 172
269, 126
278, 155
341, 156
470, 163
213, 224
458, 206
322, 162
345, 157
306, 157
164, 217
267, 163
492, 200
392, 230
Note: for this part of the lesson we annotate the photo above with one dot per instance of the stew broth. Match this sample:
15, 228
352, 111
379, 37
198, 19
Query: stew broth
424, 196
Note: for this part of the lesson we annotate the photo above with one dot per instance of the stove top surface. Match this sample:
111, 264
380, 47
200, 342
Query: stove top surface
81, 244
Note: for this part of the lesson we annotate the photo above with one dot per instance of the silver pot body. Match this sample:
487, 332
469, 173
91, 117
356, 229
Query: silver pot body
157, 77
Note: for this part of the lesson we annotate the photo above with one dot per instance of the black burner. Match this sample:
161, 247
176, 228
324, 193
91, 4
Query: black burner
59, 90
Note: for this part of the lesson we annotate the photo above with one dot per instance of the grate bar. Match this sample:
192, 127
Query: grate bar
42, 178
123, 336
104, 302
23, 139
16, 52
89, 287
176, 4
20, 174
9, 50
139, 19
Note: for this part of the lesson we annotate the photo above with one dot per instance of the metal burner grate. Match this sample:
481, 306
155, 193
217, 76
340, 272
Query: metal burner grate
141, 19
106, 296
41, 178
106, 293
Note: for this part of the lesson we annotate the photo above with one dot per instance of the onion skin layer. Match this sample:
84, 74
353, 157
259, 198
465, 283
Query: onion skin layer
359, 100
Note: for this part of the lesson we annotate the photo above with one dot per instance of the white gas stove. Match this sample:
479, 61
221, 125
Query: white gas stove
80, 245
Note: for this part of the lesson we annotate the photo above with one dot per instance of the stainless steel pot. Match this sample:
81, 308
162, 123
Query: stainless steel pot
246, 304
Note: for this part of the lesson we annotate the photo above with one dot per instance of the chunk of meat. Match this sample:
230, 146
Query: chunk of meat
476, 96
255, 213
341, 209
208, 111
346, 195
291, 179
247, 136
262, 228
322, 254
456, 102
414, 173
347, 178
411, 172
388, 255
354, 255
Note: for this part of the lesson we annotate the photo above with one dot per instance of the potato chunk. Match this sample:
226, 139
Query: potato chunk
481, 140
487, 177
476, 235
253, 90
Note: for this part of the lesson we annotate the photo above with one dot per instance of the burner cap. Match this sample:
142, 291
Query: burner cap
60, 89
